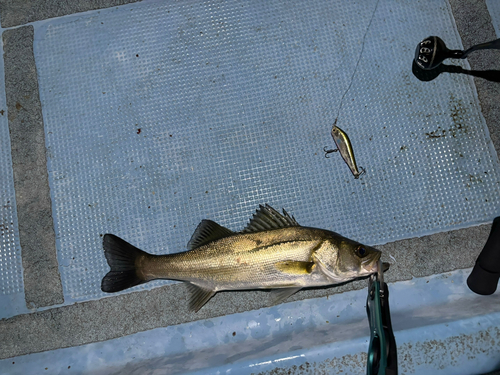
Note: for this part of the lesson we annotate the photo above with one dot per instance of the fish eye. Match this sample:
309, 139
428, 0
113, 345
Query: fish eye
361, 251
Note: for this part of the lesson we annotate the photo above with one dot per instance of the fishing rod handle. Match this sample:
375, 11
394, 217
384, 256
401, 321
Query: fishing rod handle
486, 272
494, 44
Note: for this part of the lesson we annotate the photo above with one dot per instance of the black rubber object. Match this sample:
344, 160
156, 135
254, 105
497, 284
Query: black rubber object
486, 273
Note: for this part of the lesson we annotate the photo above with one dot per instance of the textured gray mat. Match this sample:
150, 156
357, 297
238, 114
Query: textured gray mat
494, 10
159, 115
11, 270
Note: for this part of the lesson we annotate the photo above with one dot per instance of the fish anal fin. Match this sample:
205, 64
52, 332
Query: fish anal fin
206, 232
199, 296
281, 294
293, 267
267, 218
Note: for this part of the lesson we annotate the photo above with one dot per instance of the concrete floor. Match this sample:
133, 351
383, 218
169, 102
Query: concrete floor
50, 326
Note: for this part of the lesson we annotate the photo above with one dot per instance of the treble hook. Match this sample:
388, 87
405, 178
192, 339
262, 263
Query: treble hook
329, 151
363, 171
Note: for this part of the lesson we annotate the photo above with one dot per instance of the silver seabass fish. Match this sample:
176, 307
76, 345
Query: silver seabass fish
272, 252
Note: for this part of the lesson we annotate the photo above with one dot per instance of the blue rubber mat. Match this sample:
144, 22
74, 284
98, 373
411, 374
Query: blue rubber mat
159, 115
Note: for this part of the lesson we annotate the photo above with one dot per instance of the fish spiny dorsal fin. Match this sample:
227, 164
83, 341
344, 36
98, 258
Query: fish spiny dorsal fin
207, 231
267, 218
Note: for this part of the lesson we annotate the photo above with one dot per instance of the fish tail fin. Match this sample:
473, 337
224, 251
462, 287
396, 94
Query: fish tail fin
121, 257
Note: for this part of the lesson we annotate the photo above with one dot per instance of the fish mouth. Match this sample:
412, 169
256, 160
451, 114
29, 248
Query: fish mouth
372, 265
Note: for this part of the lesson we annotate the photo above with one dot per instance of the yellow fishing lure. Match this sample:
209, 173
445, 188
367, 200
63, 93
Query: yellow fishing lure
346, 151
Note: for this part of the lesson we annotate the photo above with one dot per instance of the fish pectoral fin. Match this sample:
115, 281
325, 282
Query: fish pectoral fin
294, 267
207, 231
281, 294
199, 296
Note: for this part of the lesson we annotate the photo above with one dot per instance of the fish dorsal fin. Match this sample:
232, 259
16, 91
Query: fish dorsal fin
267, 218
207, 231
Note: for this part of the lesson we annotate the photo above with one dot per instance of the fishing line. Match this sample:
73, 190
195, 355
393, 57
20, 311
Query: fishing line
357, 63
